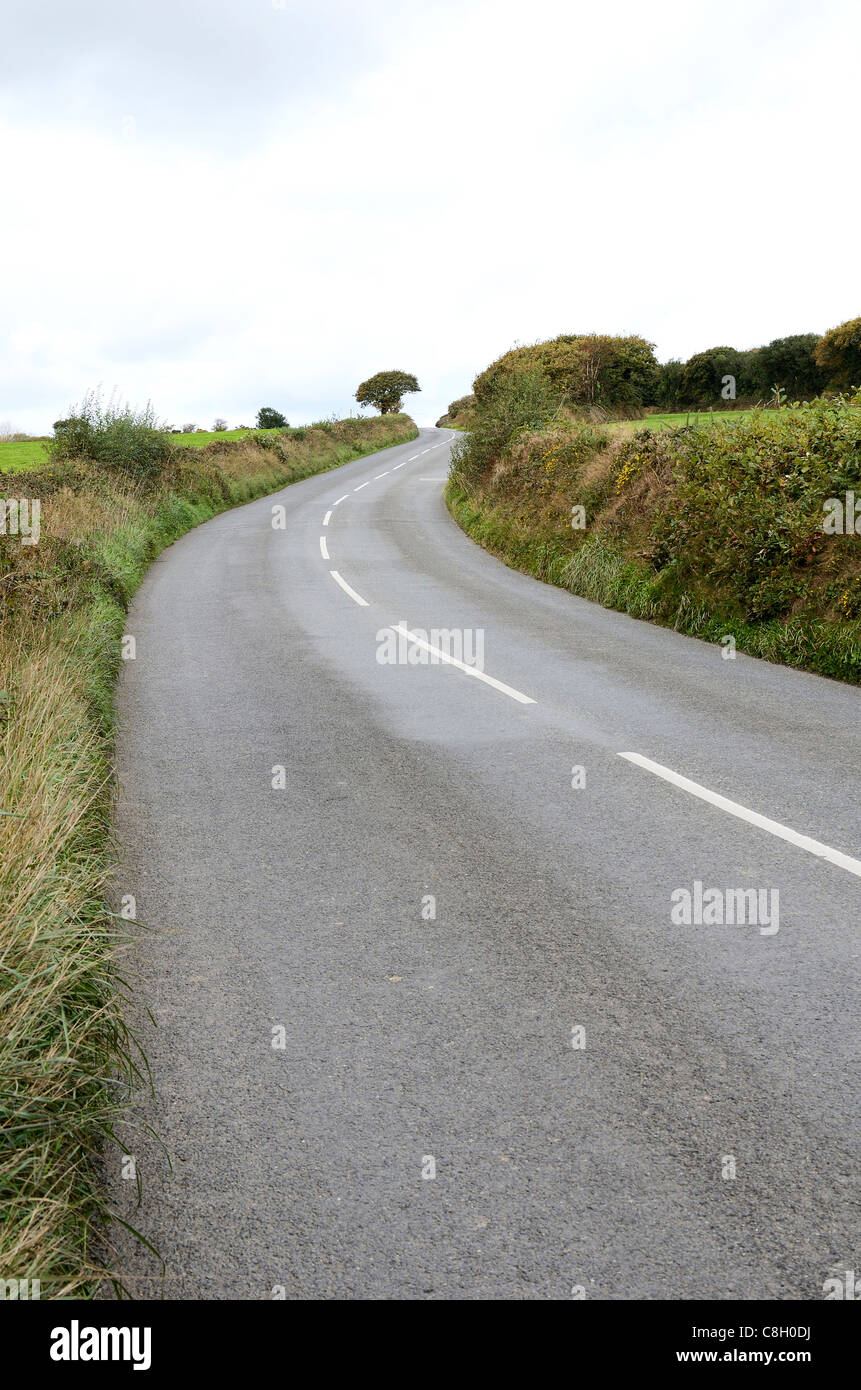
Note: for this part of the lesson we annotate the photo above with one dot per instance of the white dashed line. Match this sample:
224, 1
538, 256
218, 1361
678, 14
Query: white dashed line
361, 485
326, 518
323, 551
783, 832
412, 458
401, 465
340, 499
357, 598
382, 475
462, 666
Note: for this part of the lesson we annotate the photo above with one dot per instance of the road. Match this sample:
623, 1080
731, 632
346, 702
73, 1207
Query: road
430, 948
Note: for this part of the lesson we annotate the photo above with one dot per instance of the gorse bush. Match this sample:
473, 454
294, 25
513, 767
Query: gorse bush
120, 437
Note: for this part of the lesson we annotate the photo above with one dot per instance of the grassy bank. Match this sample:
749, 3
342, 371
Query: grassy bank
66, 1061
715, 531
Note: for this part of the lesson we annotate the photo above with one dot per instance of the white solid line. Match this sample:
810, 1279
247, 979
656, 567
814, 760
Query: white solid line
774, 827
361, 485
323, 551
382, 475
462, 666
340, 499
347, 590
326, 518
411, 459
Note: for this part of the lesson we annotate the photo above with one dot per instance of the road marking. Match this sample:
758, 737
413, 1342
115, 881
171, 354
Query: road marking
326, 518
402, 465
340, 499
783, 832
323, 551
361, 485
410, 459
382, 475
363, 602
462, 666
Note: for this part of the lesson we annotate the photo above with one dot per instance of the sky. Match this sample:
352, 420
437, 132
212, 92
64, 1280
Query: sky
215, 205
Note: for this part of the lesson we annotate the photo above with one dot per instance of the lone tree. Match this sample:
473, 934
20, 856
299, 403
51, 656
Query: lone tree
385, 391
269, 419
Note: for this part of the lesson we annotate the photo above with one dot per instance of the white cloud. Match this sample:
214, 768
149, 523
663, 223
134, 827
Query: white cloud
309, 195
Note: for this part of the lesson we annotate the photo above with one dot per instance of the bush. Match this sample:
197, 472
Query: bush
585, 369
523, 397
269, 419
219, 425
838, 353
117, 436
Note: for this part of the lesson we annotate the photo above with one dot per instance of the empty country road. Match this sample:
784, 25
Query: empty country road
427, 1023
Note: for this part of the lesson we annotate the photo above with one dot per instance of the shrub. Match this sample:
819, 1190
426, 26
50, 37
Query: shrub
117, 436
219, 425
584, 369
270, 419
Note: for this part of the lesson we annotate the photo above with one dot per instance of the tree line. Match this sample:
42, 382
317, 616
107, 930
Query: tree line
617, 371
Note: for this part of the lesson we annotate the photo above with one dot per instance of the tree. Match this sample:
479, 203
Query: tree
219, 425
584, 369
384, 391
189, 429
791, 364
668, 393
703, 377
270, 419
838, 353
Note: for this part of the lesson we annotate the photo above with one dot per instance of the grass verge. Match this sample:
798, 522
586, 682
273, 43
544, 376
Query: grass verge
717, 533
67, 1061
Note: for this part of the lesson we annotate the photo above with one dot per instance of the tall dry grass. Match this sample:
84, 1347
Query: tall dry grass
67, 1062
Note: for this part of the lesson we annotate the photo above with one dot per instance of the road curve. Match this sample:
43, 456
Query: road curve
427, 949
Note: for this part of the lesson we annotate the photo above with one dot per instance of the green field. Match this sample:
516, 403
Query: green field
30, 453
22, 454
685, 417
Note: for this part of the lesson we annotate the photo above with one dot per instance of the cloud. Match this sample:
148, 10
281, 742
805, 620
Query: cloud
301, 197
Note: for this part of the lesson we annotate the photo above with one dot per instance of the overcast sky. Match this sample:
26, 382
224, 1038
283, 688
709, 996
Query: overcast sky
222, 204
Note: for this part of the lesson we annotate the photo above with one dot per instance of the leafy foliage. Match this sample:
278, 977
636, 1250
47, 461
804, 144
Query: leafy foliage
270, 419
713, 528
386, 390
116, 436
838, 353
586, 369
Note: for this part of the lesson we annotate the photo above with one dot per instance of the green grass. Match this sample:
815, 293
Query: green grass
686, 417
22, 455
199, 439
30, 453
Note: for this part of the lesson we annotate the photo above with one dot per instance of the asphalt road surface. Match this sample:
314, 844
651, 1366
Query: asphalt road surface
427, 1025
